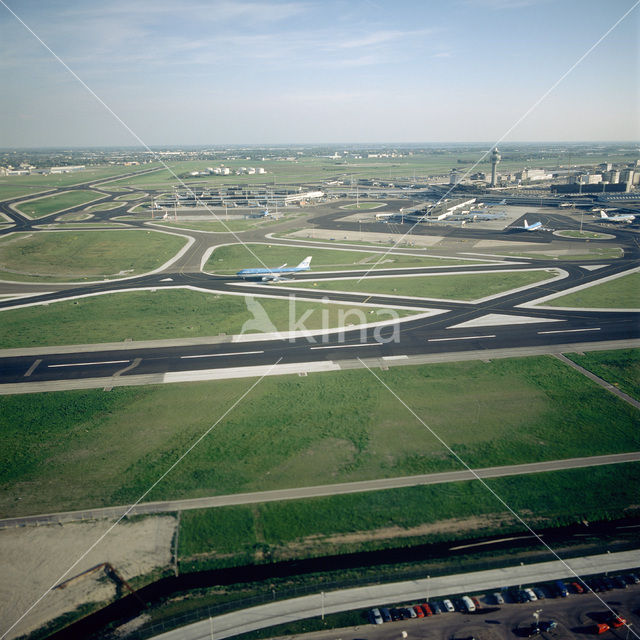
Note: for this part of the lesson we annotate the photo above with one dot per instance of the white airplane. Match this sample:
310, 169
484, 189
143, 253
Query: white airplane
621, 217
536, 226
274, 274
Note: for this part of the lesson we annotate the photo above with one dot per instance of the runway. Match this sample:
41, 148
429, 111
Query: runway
498, 323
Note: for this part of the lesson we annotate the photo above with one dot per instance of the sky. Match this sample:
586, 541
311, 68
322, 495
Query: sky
217, 72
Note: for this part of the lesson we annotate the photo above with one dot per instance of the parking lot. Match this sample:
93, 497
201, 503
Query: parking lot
511, 613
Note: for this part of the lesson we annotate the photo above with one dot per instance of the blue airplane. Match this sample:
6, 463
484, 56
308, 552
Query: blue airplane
274, 274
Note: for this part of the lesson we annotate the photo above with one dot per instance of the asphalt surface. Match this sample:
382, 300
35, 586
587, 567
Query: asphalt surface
433, 335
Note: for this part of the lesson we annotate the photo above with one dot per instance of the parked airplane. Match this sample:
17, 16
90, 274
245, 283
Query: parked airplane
274, 274
621, 217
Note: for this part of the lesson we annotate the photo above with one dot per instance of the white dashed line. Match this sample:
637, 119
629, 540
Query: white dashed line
461, 338
219, 355
346, 346
86, 364
569, 330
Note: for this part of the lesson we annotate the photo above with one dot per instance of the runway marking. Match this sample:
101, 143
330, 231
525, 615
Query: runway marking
461, 338
219, 355
346, 346
569, 330
395, 357
86, 364
133, 365
32, 368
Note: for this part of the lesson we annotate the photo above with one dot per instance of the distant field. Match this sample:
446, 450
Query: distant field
620, 368
179, 313
589, 253
231, 258
84, 254
293, 431
340, 524
14, 186
218, 226
104, 206
621, 293
468, 286
50, 204
306, 169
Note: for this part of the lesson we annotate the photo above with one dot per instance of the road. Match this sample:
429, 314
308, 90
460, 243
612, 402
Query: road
416, 591
319, 491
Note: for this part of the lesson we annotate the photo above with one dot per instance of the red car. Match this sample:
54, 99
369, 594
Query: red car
427, 609
419, 611
578, 587
600, 628
617, 621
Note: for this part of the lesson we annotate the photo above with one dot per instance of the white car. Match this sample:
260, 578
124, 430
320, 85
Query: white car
530, 594
375, 616
448, 605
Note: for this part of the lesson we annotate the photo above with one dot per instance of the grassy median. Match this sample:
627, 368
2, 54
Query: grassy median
467, 286
76, 255
173, 314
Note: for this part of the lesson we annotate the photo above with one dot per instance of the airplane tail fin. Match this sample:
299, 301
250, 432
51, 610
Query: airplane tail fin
526, 224
603, 215
305, 263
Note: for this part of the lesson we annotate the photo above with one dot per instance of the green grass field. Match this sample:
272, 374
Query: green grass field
84, 254
171, 314
620, 368
104, 206
292, 431
339, 524
50, 204
216, 226
231, 258
590, 235
621, 293
14, 186
468, 286
75, 216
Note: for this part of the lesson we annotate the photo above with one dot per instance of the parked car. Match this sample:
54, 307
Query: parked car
386, 615
428, 611
619, 582
498, 598
419, 611
530, 594
548, 626
539, 592
599, 628
561, 588
408, 612
633, 578
608, 584
375, 616
476, 602
395, 614
617, 621
434, 607
467, 604
577, 587
448, 605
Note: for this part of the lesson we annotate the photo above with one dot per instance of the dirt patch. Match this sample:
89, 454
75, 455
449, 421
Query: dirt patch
34, 559
314, 543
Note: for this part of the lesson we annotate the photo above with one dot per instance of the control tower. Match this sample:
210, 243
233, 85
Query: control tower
495, 158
